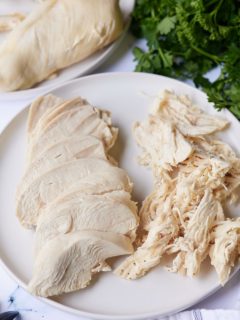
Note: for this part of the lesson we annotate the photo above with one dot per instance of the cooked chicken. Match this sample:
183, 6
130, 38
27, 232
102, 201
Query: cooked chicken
41, 106
58, 33
74, 194
197, 174
188, 118
162, 230
9, 21
163, 145
99, 183
50, 185
194, 175
113, 211
228, 189
225, 250
82, 120
54, 112
193, 247
68, 262
60, 153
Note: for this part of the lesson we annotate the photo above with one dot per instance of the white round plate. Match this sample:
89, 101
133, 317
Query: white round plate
127, 96
74, 71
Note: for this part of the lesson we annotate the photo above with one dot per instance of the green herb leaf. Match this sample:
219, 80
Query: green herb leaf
186, 39
166, 25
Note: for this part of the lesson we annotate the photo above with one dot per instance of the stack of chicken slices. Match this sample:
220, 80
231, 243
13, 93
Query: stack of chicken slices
74, 194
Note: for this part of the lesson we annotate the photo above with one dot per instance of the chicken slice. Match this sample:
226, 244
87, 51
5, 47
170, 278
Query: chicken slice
162, 143
64, 151
225, 249
98, 184
193, 246
41, 106
53, 183
9, 21
162, 231
53, 112
112, 211
85, 120
68, 262
188, 118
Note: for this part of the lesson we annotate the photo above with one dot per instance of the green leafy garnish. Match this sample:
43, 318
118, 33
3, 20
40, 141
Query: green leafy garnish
188, 38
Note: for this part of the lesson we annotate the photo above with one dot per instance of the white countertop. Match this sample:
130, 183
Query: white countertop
12, 297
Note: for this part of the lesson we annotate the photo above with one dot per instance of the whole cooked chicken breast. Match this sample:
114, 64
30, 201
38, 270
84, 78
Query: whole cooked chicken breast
58, 33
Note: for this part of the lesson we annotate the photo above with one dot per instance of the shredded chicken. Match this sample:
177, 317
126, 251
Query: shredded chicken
192, 247
162, 230
194, 175
163, 145
9, 21
188, 118
226, 248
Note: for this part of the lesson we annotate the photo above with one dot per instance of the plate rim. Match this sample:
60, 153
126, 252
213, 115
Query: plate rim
102, 316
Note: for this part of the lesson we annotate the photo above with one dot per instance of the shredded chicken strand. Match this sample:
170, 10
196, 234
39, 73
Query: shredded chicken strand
225, 250
9, 21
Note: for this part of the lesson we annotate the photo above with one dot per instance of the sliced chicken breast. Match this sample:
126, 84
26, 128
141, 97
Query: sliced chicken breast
82, 121
112, 211
64, 151
52, 184
68, 262
41, 106
98, 184
46, 119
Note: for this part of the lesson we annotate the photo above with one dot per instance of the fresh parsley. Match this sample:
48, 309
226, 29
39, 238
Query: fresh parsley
188, 38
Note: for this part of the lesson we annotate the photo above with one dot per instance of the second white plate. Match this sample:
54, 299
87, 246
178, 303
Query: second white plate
127, 96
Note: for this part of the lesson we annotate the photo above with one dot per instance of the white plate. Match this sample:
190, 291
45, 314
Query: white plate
76, 70
128, 96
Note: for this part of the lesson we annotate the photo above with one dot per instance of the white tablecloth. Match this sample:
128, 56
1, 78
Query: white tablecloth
12, 297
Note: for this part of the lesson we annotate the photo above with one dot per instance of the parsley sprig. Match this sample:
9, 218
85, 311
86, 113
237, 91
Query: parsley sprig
188, 38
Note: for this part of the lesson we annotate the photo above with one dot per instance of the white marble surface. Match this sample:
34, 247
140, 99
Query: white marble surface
12, 297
